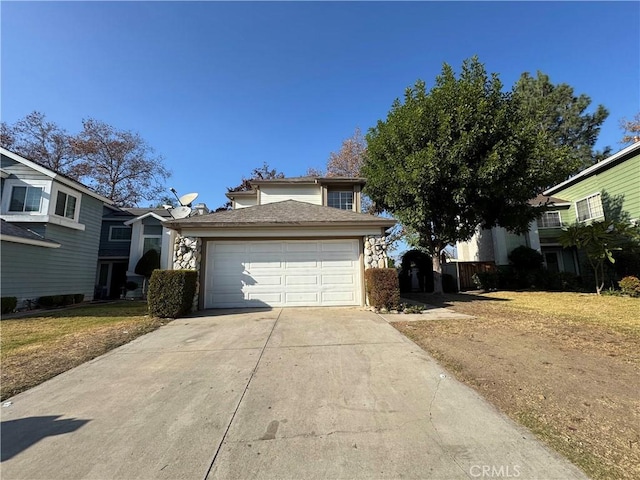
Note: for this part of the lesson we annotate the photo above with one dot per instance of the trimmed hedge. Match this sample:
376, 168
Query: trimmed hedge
382, 287
50, 301
9, 304
171, 292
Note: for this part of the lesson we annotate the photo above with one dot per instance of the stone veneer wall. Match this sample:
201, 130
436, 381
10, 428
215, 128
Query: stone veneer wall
187, 255
375, 252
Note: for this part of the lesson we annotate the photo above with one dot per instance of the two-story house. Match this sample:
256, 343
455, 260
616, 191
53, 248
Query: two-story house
607, 190
127, 234
50, 231
286, 242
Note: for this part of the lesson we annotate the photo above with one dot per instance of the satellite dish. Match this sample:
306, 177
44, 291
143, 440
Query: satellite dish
187, 199
180, 212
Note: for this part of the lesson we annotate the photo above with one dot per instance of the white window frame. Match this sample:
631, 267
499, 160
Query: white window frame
542, 219
8, 192
111, 239
586, 199
67, 191
339, 207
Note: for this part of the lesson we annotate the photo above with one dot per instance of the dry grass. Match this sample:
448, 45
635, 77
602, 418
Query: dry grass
36, 348
565, 365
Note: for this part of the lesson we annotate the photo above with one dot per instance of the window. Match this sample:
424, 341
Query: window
152, 243
119, 233
66, 205
25, 199
550, 220
590, 207
340, 199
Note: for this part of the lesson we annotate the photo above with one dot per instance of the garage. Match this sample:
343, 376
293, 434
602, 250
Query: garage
282, 273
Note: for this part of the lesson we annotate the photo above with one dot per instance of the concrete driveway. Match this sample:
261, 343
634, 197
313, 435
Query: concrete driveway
283, 393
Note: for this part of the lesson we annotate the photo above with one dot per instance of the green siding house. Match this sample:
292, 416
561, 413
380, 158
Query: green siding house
608, 190
50, 232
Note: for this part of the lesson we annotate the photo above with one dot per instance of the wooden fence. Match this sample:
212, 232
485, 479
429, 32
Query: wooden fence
467, 269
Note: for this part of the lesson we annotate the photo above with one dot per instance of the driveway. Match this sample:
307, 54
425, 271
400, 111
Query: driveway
284, 393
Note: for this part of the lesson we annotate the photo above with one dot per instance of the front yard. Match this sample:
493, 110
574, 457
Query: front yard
36, 348
565, 365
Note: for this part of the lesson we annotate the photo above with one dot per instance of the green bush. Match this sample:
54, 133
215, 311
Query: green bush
51, 301
382, 287
78, 298
9, 304
630, 286
171, 292
525, 258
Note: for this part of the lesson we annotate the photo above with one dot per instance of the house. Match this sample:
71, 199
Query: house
286, 242
607, 190
126, 235
50, 231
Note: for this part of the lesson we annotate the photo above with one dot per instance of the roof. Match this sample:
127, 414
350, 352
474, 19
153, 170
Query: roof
14, 233
309, 179
542, 200
60, 177
608, 162
285, 213
161, 212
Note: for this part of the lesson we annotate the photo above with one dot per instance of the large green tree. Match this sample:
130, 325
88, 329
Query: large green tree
457, 156
563, 116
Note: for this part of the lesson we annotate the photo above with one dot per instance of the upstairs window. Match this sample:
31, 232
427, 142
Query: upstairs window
589, 208
119, 233
25, 199
66, 205
340, 199
550, 220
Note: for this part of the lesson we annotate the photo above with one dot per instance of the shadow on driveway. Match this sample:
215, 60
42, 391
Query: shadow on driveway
18, 435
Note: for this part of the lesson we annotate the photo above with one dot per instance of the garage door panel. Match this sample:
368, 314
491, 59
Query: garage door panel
283, 273
230, 248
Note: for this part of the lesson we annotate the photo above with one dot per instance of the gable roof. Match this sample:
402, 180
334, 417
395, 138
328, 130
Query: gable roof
14, 233
285, 213
64, 179
543, 200
608, 162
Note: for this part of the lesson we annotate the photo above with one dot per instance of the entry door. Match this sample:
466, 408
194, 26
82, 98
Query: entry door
283, 273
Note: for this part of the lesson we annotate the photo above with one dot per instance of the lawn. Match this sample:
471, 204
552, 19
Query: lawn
565, 365
38, 347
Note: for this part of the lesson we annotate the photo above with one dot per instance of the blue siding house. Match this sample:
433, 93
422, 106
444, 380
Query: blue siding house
50, 232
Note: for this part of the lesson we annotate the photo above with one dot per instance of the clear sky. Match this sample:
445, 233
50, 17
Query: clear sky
219, 88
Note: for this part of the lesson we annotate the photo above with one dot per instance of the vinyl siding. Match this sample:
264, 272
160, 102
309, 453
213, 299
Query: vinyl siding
31, 272
21, 171
109, 248
301, 193
621, 182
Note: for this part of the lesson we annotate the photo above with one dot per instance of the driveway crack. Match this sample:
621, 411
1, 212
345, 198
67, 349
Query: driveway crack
233, 416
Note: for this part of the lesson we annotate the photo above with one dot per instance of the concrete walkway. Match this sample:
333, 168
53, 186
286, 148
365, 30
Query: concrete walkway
285, 393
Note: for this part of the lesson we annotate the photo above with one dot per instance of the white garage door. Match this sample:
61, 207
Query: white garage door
282, 273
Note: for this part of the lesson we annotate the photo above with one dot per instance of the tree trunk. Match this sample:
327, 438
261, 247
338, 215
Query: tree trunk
437, 273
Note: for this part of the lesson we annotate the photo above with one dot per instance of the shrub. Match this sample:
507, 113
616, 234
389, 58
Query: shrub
78, 297
382, 287
9, 304
449, 284
630, 286
171, 292
525, 258
486, 280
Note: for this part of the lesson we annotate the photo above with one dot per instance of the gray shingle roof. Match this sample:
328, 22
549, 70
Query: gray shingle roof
288, 212
12, 230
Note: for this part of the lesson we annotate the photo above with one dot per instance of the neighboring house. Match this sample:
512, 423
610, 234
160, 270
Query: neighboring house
50, 231
287, 242
127, 234
608, 190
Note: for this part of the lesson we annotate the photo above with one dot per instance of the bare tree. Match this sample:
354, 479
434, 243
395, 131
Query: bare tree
259, 173
348, 161
42, 141
118, 164
631, 129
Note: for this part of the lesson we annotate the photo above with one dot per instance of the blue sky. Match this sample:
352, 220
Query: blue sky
219, 88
